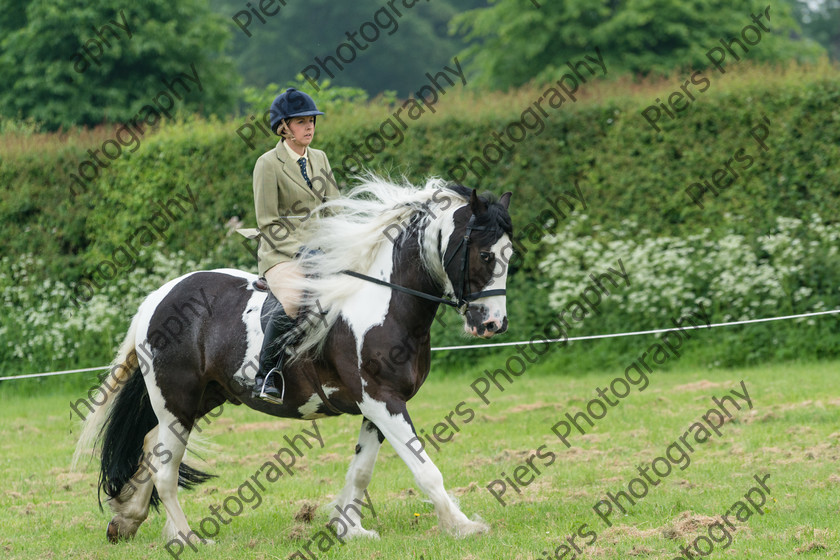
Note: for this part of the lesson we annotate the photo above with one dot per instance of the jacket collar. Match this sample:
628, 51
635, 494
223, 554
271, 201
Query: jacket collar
292, 169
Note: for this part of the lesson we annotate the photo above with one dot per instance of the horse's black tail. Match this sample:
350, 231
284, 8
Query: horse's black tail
129, 420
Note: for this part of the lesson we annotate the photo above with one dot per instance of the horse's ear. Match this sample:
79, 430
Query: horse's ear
505, 199
476, 204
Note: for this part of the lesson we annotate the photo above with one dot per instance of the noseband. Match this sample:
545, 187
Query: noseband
461, 302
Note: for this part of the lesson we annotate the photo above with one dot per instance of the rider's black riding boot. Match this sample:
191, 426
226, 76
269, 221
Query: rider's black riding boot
271, 356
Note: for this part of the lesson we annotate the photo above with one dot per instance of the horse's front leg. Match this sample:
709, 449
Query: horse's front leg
393, 421
358, 478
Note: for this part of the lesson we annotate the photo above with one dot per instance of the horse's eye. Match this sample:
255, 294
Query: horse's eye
487, 256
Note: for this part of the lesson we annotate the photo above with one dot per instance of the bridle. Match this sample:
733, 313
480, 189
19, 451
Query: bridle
461, 302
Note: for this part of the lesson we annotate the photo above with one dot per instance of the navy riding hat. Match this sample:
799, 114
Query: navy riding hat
291, 103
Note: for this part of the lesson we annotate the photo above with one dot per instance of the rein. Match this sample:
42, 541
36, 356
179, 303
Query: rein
462, 302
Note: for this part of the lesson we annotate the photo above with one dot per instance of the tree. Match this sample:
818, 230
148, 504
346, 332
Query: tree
821, 22
518, 41
74, 62
411, 39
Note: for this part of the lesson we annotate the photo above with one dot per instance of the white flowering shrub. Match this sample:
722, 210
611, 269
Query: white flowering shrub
791, 269
41, 328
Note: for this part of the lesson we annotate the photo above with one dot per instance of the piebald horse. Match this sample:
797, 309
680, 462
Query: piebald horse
389, 256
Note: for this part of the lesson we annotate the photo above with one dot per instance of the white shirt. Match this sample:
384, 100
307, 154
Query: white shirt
295, 156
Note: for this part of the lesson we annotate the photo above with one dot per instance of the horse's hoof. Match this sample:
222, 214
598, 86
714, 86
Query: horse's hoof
363, 533
113, 533
476, 526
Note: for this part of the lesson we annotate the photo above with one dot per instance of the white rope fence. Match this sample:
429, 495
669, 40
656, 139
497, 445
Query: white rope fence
636, 333
503, 344
51, 373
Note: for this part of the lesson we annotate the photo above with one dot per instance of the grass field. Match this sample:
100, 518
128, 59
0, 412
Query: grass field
792, 434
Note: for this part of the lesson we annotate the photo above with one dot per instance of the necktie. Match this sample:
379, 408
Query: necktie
302, 163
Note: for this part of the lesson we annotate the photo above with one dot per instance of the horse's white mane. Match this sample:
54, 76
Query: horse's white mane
350, 232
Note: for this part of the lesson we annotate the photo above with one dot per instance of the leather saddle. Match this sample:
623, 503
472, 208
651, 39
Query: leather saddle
269, 304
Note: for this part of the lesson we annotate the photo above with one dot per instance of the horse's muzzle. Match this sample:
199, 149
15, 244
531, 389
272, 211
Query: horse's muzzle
489, 328
495, 326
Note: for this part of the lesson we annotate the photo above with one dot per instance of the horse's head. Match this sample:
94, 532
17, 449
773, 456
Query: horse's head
476, 263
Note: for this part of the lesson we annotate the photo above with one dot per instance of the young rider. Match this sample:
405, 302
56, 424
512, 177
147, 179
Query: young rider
289, 181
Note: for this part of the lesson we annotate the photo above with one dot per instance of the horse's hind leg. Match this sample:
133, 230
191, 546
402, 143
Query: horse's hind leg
172, 437
131, 506
358, 478
171, 445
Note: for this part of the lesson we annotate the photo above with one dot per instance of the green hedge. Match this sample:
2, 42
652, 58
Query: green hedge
624, 168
